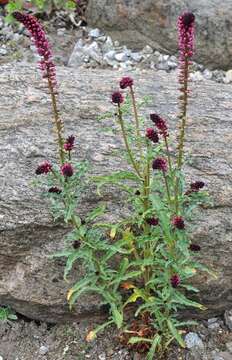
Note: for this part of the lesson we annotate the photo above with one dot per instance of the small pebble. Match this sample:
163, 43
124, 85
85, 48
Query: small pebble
43, 350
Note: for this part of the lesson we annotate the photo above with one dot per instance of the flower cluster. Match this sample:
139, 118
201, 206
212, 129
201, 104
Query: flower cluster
178, 222
69, 143
160, 124
186, 29
67, 170
160, 164
152, 135
126, 82
38, 35
175, 281
44, 168
54, 190
153, 221
117, 98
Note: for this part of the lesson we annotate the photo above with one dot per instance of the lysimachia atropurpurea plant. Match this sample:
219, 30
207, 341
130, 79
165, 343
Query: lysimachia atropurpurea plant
141, 265
64, 182
155, 277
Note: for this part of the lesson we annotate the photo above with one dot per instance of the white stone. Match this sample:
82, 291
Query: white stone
95, 33
43, 350
102, 357
3, 51
61, 31
121, 57
147, 50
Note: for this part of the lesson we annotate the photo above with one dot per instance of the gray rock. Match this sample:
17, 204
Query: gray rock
196, 76
207, 74
228, 77
154, 22
30, 282
43, 350
222, 356
82, 50
193, 340
172, 65
136, 56
229, 346
108, 45
228, 319
147, 50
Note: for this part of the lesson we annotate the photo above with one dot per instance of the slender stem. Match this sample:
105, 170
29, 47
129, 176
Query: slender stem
58, 122
136, 120
168, 153
133, 162
183, 118
167, 187
146, 193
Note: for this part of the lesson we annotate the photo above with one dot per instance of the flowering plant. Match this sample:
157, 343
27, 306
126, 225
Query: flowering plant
140, 266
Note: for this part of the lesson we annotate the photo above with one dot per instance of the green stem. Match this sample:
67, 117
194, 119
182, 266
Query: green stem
167, 187
168, 153
136, 120
133, 162
146, 193
57, 120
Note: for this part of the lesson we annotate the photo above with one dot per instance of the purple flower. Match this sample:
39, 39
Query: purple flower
160, 124
126, 82
194, 247
197, 185
160, 164
54, 190
153, 221
175, 281
152, 135
178, 222
43, 168
39, 38
67, 170
69, 143
117, 98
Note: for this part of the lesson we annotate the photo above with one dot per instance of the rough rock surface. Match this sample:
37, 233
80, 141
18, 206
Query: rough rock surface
154, 23
30, 282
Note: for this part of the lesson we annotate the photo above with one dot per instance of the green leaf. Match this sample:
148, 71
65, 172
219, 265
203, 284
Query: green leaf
117, 316
137, 339
175, 333
95, 213
155, 343
181, 299
69, 264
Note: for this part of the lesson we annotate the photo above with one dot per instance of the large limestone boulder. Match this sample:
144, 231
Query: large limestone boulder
140, 22
31, 282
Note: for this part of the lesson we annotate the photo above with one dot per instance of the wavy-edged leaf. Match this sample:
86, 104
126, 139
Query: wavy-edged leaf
175, 333
155, 343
